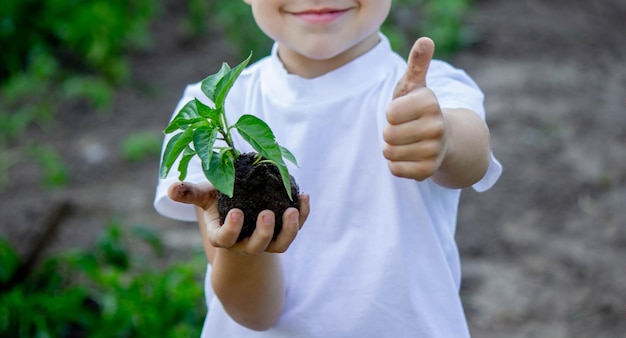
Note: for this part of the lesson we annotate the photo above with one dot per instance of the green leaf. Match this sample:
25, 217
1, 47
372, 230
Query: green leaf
182, 124
187, 115
221, 172
165, 165
259, 135
209, 84
174, 147
183, 165
224, 85
207, 112
284, 175
203, 141
288, 155
216, 86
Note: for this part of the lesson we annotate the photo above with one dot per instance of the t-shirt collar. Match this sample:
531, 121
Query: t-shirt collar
358, 73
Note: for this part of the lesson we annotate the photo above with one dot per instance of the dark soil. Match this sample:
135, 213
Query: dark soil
543, 252
258, 187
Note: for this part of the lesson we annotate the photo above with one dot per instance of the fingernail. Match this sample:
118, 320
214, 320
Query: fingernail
266, 219
235, 216
293, 218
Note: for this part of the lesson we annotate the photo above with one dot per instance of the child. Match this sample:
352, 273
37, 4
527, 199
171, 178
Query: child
383, 149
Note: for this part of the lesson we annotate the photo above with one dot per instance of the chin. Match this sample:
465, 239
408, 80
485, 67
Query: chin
321, 53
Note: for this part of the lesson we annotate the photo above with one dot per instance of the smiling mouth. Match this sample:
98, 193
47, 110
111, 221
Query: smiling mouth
321, 15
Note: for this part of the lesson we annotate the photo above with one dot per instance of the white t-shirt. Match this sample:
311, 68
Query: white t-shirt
377, 256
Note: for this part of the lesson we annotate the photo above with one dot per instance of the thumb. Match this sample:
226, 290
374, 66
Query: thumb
418, 62
202, 195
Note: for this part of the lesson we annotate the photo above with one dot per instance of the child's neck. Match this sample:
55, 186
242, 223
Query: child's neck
300, 65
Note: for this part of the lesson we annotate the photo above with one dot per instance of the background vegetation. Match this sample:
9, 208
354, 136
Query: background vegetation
66, 53
62, 51
101, 292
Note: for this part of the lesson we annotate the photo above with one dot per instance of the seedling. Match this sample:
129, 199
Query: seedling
204, 131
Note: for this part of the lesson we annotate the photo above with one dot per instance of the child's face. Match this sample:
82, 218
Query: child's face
320, 30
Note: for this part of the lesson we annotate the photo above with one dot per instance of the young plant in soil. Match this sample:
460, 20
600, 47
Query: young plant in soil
252, 182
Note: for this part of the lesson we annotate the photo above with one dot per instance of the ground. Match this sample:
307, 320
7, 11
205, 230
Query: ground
543, 251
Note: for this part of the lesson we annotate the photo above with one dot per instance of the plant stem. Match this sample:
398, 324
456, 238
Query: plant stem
225, 131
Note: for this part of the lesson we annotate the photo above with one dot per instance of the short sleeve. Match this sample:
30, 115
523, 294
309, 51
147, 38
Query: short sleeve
455, 89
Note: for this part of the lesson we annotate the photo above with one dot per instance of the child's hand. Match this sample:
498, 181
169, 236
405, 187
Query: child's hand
225, 235
416, 135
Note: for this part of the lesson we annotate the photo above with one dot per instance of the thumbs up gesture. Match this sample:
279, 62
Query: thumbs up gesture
416, 134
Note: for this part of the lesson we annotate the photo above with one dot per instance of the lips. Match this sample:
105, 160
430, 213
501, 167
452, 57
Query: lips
320, 16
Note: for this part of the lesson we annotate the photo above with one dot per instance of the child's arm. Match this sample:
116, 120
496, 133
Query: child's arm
246, 276
422, 140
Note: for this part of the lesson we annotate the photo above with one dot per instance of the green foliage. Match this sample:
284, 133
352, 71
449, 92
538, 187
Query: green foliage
54, 172
87, 34
9, 261
234, 19
141, 145
196, 18
62, 51
53, 169
201, 126
101, 293
441, 20
65, 50
444, 23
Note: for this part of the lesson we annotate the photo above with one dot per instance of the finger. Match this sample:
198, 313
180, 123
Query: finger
262, 234
426, 150
413, 131
225, 235
202, 195
418, 62
291, 225
421, 103
419, 170
305, 209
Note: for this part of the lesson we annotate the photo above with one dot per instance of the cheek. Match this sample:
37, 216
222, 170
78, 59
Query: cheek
379, 14
378, 11
267, 21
